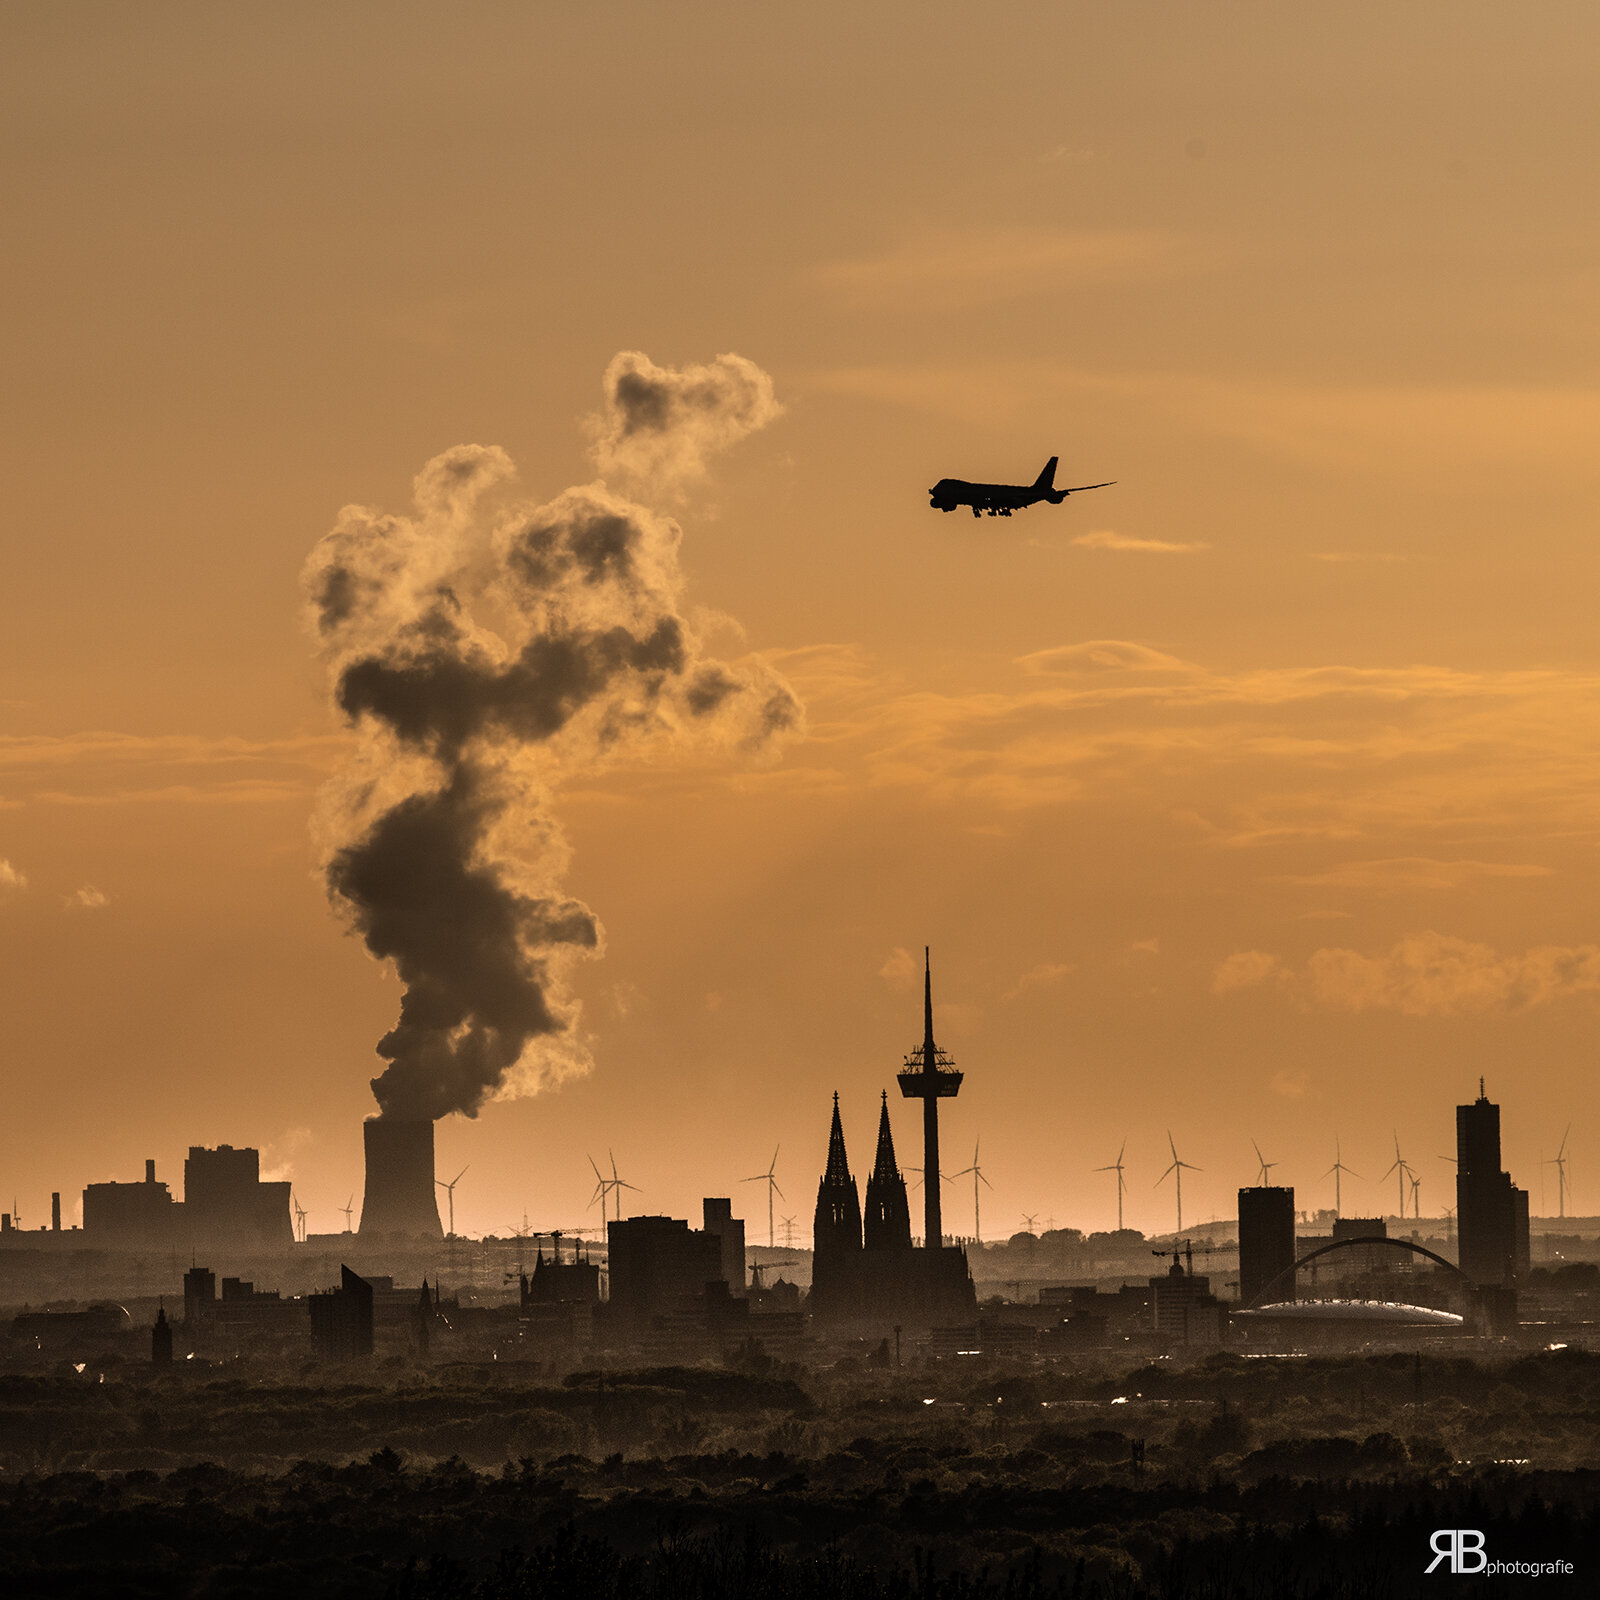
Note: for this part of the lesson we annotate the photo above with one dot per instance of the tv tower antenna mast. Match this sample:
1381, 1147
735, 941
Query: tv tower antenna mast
930, 1076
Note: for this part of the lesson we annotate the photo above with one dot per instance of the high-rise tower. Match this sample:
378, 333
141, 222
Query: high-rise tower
1491, 1211
836, 1227
887, 1224
930, 1077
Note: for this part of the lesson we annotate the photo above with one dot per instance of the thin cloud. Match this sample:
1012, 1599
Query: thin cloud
1465, 427
1244, 969
101, 768
941, 272
1356, 556
11, 879
1041, 976
1426, 975
901, 970
1412, 872
1099, 655
88, 898
1106, 539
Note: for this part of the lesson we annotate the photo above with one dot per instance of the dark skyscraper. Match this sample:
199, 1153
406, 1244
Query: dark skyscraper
1491, 1211
341, 1319
930, 1077
1266, 1241
887, 1223
836, 1226
161, 1340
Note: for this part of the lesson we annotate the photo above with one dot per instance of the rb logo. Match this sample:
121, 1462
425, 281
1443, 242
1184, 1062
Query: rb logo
1455, 1545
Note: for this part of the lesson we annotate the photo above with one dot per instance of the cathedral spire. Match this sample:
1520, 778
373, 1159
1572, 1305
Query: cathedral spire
885, 1167
838, 1170
837, 1225
887, 1219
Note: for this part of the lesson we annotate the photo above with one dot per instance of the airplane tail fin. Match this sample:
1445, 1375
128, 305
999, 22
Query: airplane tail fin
1047, 478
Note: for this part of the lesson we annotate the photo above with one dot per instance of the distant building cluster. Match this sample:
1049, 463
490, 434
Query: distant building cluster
664, 1290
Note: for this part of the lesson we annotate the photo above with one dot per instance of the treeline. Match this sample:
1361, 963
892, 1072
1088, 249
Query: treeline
767, 1528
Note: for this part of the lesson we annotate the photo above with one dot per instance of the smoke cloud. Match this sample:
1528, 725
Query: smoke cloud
660, 424
485, 650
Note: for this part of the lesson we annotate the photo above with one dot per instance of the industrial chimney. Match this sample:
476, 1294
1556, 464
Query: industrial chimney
399, 1196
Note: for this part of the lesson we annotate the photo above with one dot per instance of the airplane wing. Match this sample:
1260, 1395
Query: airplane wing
1080, 487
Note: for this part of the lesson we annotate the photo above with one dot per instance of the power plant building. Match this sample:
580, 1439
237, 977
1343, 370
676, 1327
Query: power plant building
399, 1200
226, 1204
131, 1216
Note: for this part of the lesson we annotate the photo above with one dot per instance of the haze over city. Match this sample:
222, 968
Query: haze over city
1249, 798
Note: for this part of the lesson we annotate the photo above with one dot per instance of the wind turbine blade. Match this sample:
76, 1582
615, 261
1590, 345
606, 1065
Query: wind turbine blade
459, 1176
781, 1194
983, 1180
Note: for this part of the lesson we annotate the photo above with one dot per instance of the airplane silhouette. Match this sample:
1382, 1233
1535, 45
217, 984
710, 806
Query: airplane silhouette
1001, 499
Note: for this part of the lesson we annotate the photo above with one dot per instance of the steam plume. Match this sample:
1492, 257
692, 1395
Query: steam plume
484, 651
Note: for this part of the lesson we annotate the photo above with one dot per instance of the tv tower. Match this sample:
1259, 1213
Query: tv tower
930, 1077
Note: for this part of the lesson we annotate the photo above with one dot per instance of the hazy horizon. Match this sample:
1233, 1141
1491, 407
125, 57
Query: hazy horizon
1251, 798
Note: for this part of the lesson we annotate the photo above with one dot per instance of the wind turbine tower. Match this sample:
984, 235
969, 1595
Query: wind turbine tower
1402, 1171
1336, 1171
450, 1189
1175, 1172
977, 1178
1559, 1162
772, 1188
1122, 1184
1266, 1166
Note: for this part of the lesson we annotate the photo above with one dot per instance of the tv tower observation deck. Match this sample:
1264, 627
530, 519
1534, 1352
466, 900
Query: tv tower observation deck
930, 1076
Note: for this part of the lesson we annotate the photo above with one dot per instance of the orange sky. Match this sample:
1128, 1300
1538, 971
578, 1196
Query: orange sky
1254, 796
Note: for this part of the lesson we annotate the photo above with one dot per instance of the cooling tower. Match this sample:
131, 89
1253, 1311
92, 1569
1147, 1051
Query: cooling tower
399, 1196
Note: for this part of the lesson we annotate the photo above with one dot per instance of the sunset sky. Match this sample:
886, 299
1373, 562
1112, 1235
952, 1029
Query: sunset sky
1252, 797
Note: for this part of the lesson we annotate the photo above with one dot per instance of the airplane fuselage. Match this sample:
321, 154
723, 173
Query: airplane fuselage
997, 499
1001, 499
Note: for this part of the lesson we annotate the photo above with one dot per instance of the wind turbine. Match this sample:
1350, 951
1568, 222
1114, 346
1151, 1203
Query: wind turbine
1266, 1166
347, 1208
1559, 1162
1416, 1197
450, 1189
1030, 1220
605, 1186
977, 1178
1402, 1170
1337, 1170
772, 1187
1175, 1171
1122, 1184
300, 1215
